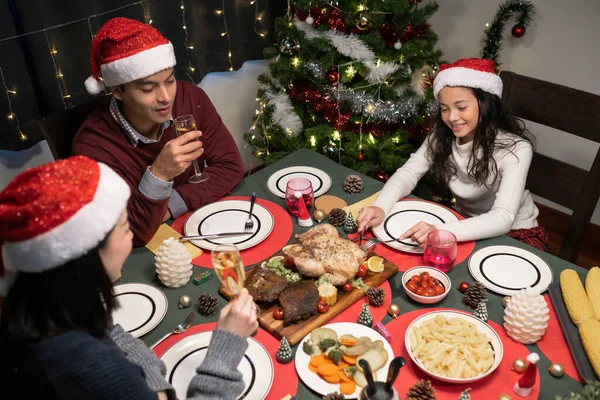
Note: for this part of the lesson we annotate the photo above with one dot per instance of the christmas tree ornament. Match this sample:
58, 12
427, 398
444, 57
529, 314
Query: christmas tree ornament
524, 386
333, 76
463, 287
360, 157
284, 352
173, 263
505, 301
519, 365
365, 317
202, 277
526, 316
504, 397
364, 20
518, 31
319, 215
353, 184
398, 45
185, 301
207, 304
337, 217
350, 225
382, 175
474, 295
376, 296
465, 395
421, 390
334, 396
556, 370
310, 20
330, 150
304, 219
287, 46
394, 310
481, 311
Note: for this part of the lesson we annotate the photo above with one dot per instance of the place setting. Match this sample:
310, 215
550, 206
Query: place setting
141, 307
320, 181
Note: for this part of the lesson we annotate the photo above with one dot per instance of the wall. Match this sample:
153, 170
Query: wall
561, 46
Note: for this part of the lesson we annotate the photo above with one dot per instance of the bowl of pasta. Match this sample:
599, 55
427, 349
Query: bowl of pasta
453, 347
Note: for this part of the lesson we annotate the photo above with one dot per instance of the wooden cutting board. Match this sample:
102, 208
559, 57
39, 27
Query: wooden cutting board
296, 332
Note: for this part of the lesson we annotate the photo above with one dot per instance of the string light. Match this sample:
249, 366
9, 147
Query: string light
226, 33
371, 138
350, 72
313, 141
11, 114
296, 62
257, 18
336, 135
185, 44
59, 80
362, 7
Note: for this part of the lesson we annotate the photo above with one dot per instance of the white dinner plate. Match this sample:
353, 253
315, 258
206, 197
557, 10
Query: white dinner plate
142, 307
185, 356
318, 384
506, 270
277, 183
406, 214
229, 216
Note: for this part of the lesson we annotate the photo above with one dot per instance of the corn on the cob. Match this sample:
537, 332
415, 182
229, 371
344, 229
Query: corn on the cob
328, 293
592, 288
576, 300
589, 330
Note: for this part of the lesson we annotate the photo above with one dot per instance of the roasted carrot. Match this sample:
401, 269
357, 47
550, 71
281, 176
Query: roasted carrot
317, 360
332, 378
327, 369
342, 365
349, 342
312, 368
349, 359
348, 387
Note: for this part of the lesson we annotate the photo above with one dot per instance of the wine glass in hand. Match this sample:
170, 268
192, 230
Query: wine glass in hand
183, 124
229, 267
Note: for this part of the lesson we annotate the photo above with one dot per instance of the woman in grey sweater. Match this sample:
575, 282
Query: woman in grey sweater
64, 236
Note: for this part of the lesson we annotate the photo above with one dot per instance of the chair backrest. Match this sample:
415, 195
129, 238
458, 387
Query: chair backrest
60, 128
569, 110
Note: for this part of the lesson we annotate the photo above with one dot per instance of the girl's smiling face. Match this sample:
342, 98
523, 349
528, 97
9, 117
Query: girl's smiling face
460, 111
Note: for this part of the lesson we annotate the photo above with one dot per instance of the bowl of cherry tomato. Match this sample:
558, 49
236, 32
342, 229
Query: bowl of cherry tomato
426, 285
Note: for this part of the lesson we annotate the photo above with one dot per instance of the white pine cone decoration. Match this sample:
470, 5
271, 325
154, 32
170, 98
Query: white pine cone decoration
526, 316
173, 263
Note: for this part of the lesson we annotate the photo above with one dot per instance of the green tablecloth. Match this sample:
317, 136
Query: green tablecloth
139, 267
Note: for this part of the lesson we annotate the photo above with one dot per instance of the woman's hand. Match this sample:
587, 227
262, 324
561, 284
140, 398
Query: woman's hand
239, 316
419, 232
369, 216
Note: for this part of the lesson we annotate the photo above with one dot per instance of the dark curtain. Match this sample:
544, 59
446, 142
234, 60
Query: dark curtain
47, 65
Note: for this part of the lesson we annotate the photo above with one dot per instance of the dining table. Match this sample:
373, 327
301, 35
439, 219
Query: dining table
139, 268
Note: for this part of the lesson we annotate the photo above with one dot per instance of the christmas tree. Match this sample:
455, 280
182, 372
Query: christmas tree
350, 79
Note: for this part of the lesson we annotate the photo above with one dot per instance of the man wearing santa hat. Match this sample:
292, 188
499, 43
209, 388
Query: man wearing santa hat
135, 135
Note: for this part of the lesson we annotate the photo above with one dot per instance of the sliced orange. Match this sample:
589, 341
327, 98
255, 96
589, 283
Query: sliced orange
375, 264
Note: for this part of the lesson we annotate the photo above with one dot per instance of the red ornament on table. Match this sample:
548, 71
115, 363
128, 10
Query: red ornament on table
360, 157
333, 76
463, 287
518, 31
524, 386
382, 175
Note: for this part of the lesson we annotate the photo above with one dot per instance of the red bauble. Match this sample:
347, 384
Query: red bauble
518, 31
302, 14
389, 34
382, 175
335, 20
333, 76
360, 157
463, 287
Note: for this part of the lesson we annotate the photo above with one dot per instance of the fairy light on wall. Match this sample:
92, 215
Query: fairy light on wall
257, 19
11, 114
190, 69
59, 76
226, 33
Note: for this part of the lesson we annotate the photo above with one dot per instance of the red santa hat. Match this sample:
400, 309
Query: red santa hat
125, 50
55, 213
524, 386
475, 73
304, 218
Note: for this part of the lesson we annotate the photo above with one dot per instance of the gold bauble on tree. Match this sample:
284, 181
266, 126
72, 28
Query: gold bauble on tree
364, 21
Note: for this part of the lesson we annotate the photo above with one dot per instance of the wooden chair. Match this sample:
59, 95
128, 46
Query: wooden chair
568, 110
60, 128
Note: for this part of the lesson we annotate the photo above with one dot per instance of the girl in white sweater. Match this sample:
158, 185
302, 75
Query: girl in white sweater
480, 151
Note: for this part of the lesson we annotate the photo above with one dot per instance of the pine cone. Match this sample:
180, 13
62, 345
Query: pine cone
207, 304
421, 390
376, 296
353, 184
337, 217
334, 396
474, 295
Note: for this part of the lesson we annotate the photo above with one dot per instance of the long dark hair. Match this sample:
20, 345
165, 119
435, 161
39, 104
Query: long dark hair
482, 169
78, 295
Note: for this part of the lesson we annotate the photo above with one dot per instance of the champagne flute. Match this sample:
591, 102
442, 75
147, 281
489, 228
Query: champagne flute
229, 267
183, 124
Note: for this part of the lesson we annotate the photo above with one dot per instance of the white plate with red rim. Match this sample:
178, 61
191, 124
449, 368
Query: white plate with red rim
185, 356
406, 214
318, 384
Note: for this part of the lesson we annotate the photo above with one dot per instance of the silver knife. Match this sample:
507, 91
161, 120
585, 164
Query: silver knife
215, 235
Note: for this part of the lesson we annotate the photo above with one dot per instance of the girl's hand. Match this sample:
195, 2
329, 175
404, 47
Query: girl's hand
239, 316
419, 232
369, 216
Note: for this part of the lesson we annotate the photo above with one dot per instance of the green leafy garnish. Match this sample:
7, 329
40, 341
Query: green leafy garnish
280, 269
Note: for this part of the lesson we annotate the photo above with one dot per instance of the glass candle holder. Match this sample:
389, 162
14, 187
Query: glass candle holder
299, 188
440, 250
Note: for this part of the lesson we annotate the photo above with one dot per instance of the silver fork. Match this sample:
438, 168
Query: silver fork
372, 242
249, 223
178, 329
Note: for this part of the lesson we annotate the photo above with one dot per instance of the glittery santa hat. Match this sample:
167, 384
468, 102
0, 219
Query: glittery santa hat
55, 213
476, 73
125, 50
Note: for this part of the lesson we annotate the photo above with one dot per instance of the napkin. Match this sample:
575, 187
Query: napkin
354, 208
163, 233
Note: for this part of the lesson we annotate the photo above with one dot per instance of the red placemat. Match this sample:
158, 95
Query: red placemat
279, 237
501, 381
405, 261
554, 345
282, 372
350, 314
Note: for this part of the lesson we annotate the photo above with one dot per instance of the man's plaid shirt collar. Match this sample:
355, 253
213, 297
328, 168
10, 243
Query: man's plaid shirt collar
134, 136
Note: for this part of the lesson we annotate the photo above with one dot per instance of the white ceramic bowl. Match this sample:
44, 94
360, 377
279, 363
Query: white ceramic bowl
495, 342
434, 272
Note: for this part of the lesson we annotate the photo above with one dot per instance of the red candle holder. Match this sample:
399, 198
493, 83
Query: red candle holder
440, 250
